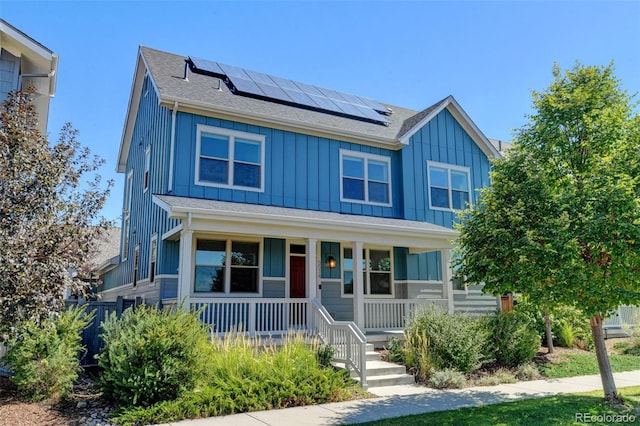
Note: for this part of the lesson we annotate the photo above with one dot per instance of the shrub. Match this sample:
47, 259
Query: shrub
447, 379
152, 355
45, 358
566, 337
513, 339
396, 350
324, 354
499, 377
528, 371
441, 340
246, 377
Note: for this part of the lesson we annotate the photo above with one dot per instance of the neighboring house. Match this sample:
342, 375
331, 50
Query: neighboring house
265, 201
25, 63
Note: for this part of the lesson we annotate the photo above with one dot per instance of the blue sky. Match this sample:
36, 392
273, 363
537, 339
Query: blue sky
488, 55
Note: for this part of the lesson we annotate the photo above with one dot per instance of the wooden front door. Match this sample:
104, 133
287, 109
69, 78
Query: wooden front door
297, 274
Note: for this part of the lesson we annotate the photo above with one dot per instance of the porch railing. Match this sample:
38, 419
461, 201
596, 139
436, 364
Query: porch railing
345, 337
626, 316
256, 316
391, 314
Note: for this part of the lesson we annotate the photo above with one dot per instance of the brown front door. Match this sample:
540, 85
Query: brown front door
297, 273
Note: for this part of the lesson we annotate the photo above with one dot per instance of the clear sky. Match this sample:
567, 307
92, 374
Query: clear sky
488, 55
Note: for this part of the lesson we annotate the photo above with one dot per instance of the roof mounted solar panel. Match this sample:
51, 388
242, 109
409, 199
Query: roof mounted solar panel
276, 89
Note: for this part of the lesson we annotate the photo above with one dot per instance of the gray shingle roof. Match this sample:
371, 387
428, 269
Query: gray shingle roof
167, 71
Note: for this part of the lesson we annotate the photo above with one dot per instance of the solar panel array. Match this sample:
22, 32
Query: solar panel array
281, 90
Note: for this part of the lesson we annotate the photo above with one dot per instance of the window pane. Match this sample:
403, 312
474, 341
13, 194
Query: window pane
209, 278
378, 171
213, 170
214, 146
210, 252
353, 189
244, 280
440, 198
380, 260
246, 175
378, 192
459, 199
438, 177
244, 254
380, 283
353, 167
247, 151
459, 180
348, 282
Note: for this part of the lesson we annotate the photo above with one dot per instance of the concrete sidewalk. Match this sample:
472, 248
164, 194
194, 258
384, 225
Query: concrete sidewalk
396, 401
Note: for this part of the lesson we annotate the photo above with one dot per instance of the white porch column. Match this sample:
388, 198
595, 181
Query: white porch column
358, 285
186, 266
447, 284
312, 268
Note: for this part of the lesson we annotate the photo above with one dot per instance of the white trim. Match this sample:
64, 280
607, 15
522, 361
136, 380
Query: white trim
172, 147
154, 238
126, 218
231, 135
366, 157
448, 168
146, 175
463, 119
173, 234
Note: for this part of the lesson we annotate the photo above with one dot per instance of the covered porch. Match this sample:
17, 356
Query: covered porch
285, 264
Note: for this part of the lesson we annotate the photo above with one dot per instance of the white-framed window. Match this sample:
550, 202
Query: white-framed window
153, 254
147, 166
136, 259
126, 216
365, 178
214, 273
229, 158
449, 186
376, 268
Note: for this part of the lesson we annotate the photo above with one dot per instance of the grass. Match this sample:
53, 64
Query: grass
586, 364
554, 410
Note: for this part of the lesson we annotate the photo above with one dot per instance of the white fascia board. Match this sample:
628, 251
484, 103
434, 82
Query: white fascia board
463, 119
132, 112
270, 121
25, 41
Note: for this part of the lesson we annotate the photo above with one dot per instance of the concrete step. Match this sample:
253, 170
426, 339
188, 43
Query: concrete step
373, 356
383, 368
389, 380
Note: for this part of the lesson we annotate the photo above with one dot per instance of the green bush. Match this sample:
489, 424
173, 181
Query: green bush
447, 379
528, 371
499, 377
513, 339
152, 355
45, 358
325, 354
247, 377
437, 339
566, 337
396, 350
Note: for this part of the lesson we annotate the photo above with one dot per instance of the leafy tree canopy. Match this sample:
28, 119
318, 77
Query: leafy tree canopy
561, 219
48, 215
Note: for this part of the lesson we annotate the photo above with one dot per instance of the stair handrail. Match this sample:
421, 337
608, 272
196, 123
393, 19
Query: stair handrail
329, 330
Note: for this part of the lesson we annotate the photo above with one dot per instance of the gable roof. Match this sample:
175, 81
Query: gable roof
207, 95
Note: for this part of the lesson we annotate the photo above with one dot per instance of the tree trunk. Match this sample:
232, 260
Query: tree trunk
547, 332
608, 384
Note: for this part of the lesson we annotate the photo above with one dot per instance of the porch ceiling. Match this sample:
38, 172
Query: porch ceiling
253, 219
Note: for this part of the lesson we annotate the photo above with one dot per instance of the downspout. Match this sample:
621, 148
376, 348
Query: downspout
173, 144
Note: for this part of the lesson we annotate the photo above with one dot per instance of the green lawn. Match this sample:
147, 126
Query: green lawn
585, 364
554, 410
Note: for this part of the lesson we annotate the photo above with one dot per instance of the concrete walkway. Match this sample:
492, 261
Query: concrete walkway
396, 401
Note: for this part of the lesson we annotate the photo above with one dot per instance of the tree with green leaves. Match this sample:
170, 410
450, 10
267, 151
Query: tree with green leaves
49, 221
560, 222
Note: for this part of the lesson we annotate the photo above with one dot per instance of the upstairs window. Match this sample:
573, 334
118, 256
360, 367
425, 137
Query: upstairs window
365, 178
448, 186
126, 217
147, 166
228, 158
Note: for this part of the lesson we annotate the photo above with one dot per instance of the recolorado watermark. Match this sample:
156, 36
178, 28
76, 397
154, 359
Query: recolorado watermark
604, 418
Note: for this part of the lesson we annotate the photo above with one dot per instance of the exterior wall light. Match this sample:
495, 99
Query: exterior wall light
331, 262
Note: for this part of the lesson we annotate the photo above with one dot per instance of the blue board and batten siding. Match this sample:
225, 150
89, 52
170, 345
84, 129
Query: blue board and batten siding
152, 129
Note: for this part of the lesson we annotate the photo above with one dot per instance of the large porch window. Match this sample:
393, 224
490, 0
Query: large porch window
376, 270
214, 272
